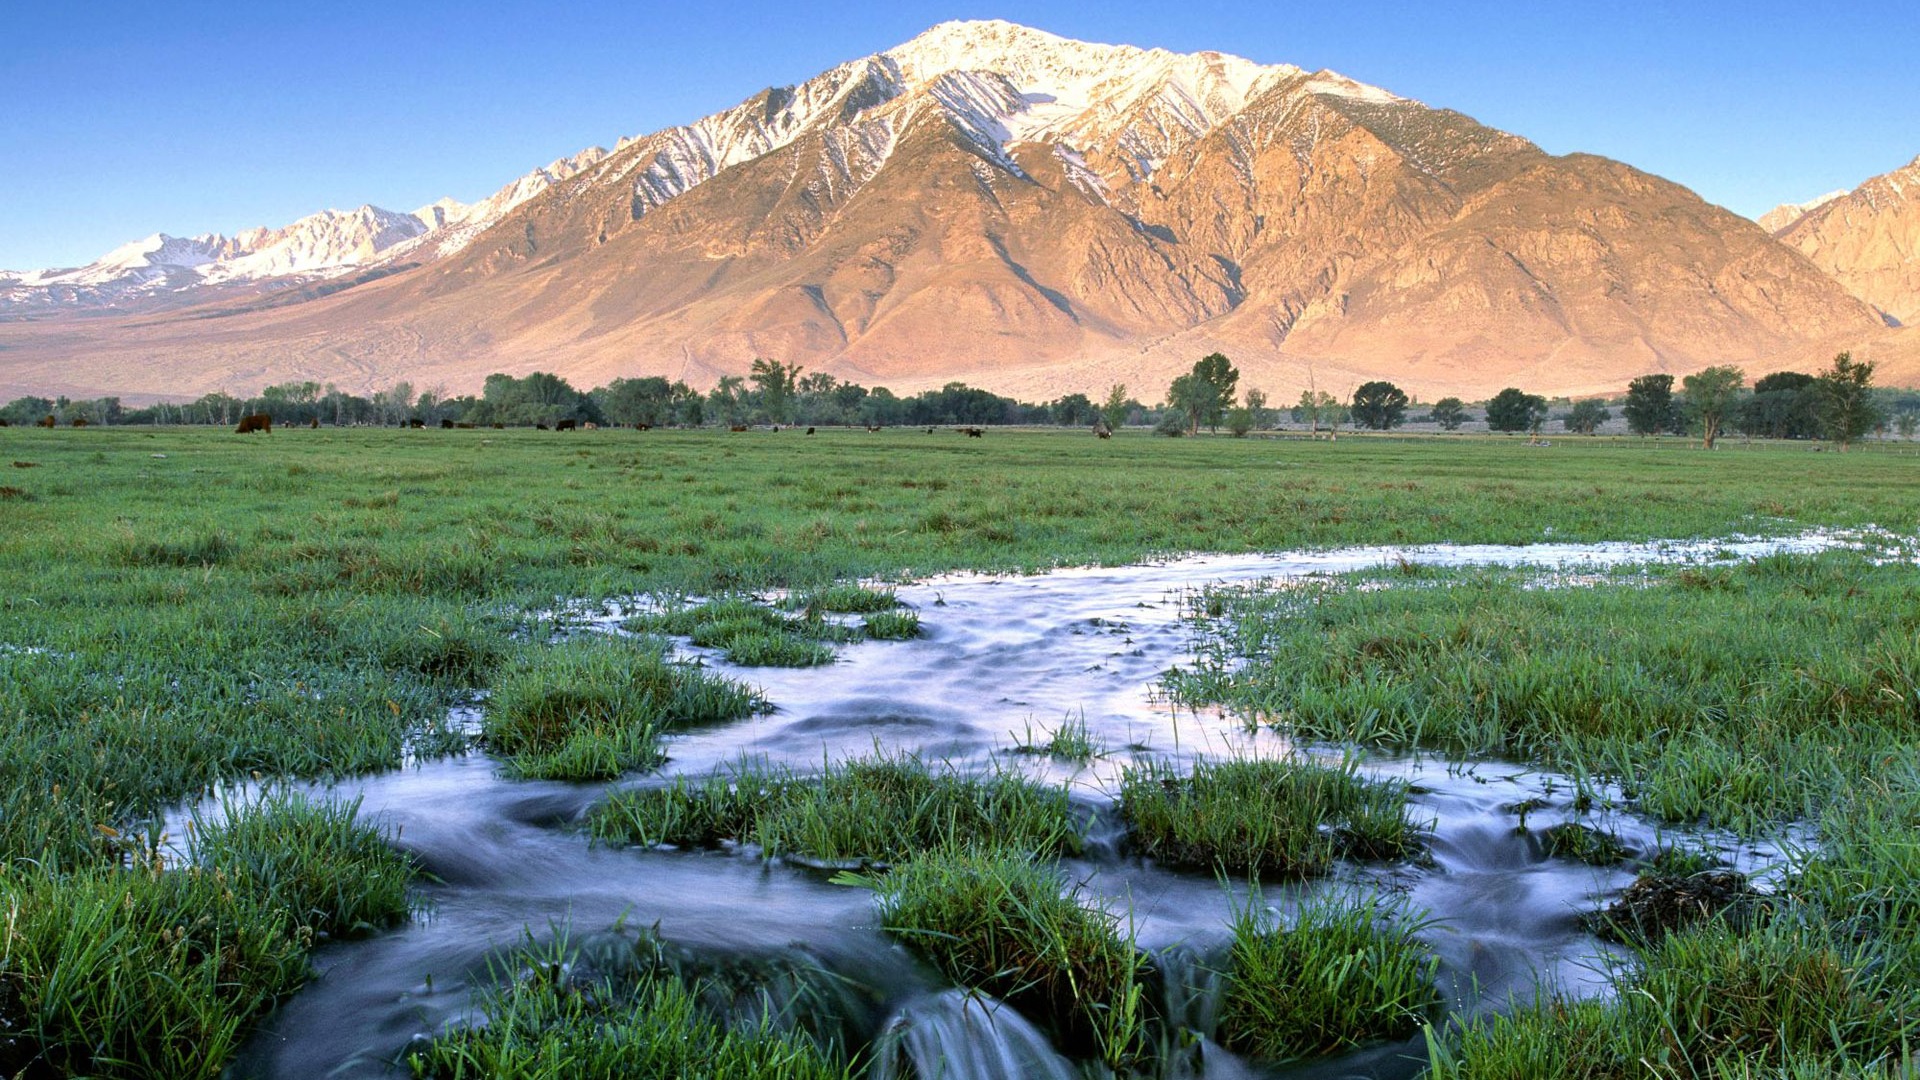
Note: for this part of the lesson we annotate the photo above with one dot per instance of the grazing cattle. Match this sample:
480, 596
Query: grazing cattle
256, 422
973, 432
738, 427
566, 425
591, 426
79, 421
809, 431
45, 421
416, 422
929, 431
464, 426
1102, 430
314, 423
643, 427
3, 422
540, 427
446, 425
872, 428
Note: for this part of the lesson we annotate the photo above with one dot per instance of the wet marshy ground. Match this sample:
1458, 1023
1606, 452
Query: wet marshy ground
1002, 662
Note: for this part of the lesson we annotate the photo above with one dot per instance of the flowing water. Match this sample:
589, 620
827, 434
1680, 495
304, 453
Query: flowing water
1003, 661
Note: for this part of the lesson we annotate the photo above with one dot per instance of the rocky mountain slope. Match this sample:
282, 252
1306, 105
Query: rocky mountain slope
1035, 215
1868, 239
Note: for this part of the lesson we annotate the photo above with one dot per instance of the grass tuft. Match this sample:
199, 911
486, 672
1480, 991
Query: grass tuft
881, 809
551, 1017
892, 626
1002, 923
1343, 974
315, 860
1260, 817
594, 709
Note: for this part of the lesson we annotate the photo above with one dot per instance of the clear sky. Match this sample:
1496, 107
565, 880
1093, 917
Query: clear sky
118, 120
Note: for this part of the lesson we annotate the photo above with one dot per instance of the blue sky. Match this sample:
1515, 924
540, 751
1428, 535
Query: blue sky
122, 119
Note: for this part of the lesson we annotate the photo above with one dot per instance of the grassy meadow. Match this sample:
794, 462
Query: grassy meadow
181, 607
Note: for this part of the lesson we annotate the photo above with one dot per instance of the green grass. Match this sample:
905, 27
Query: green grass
331, 873
847, 600
1264, 817
1344, 972
892, 626
876, 810
1745, 704
1002, 923
311, 605
1595, 847
1823, 980
750, 634
147, 972
594, 708
1071, 741
547, 1019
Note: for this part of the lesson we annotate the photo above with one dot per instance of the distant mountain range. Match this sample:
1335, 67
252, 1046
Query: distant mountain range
994, 204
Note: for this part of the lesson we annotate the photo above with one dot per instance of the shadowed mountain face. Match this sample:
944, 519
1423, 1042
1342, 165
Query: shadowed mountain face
1038, 216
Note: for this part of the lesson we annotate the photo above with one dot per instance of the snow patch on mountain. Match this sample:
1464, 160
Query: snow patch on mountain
1782, 217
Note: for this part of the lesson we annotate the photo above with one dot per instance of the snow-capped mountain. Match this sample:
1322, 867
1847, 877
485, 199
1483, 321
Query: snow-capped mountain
1783, 217
997, 204
328, 244
1869, 240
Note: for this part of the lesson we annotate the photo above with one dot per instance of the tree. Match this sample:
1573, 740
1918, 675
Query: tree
1711, 395
1847, 410
1073, 410
1649, 405
1206, 392
1314, 407
1257, 408
726, 402
776, 382
1586, 416
1784, 405
1515, 410
1114, 409
1449, 413
1379, 405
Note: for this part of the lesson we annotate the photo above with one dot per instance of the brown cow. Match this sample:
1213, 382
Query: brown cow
738, 427
46, 421
643, 427
973, 432
872, 428
256, 422
314, 423
79, 421
464, 426
1102, 430
565, 425
446, 424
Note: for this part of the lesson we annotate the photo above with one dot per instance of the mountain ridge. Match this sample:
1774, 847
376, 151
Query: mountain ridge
1028, 213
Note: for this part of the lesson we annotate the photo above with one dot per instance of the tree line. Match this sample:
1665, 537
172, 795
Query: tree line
771, 393
1839, 404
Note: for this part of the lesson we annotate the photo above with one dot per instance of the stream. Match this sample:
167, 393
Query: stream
1003, 660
